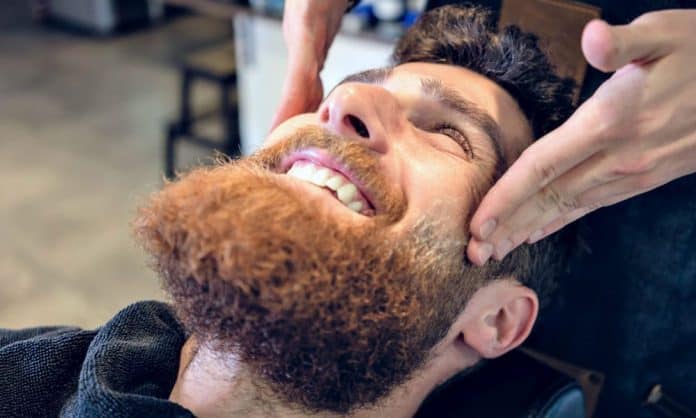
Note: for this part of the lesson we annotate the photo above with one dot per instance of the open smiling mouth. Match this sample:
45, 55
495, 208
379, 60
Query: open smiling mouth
335, 182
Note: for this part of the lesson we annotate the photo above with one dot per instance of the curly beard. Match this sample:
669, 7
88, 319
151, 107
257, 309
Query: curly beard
328, 316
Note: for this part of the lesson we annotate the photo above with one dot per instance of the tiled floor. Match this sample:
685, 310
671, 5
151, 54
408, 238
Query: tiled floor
80, 145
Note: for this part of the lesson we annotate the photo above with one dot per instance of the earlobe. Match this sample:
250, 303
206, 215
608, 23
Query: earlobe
500, 317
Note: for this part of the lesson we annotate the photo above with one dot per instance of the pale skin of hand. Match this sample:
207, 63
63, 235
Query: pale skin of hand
637, 132
309, 28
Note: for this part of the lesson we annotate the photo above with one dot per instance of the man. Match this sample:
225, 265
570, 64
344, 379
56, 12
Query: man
325, 275
626, 307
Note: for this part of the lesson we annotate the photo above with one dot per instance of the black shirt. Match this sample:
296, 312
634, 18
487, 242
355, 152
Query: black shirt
126, 368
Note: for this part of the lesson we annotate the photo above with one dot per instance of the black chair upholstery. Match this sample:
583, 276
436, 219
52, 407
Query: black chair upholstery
516, 385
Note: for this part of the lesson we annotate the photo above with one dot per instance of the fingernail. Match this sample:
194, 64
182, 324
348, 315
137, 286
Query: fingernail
484, 252
504, 247
535, 236
487, 228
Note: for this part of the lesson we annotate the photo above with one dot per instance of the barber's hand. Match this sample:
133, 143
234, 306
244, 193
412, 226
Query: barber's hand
637, 132
309, 27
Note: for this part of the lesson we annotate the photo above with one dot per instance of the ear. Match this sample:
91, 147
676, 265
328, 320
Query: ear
498, 318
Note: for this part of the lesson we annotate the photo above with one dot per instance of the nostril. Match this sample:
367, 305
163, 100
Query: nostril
359, 126
324, 114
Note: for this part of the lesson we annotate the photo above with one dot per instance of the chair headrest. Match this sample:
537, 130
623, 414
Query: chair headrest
515, 385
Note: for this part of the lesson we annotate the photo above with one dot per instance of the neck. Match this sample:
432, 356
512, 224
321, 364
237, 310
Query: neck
211, 386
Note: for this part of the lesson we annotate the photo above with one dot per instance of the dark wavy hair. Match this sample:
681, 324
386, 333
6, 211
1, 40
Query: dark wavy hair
465, 36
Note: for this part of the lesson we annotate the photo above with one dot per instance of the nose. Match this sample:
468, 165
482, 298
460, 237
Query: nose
361, 112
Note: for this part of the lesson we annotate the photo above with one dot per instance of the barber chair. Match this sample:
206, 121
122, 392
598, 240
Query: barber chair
521, 384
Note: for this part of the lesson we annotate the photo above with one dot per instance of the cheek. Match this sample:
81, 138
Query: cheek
289, 127
440, 189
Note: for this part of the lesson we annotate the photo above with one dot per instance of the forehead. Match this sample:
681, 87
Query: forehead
493, 99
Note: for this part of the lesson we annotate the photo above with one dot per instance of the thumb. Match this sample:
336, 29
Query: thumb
302, 92
291, 104
609, 48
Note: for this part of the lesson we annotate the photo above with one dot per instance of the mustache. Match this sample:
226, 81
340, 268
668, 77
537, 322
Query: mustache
355, 155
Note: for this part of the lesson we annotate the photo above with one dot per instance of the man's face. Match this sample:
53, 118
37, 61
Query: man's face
440, 134
331, 295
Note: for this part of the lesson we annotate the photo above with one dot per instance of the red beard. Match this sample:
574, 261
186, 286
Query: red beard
328, 316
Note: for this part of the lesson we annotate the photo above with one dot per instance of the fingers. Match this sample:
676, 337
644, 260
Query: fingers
554, 200
575, 194
559, 224
550, 222
544, 161
609, 48
291, 105
309, 27
296, 100
302, 89
538, 194
573, 216
621, 189
478, 252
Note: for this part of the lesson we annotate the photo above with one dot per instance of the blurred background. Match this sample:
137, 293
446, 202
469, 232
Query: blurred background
100, 100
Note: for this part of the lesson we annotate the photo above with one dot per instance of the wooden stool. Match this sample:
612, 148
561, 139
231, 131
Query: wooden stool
214, 65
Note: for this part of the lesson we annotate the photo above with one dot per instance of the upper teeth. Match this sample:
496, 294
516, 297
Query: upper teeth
321, 176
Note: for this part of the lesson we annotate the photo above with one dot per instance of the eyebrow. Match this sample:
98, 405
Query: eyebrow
453, 100
449, 98
372, 76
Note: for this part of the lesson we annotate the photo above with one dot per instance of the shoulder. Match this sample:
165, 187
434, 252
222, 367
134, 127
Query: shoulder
143, 319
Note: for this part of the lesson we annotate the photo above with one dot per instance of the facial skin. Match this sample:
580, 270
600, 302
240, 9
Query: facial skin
286, 289
403, 123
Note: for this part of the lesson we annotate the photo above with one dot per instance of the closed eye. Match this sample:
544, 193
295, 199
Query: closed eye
457, 136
